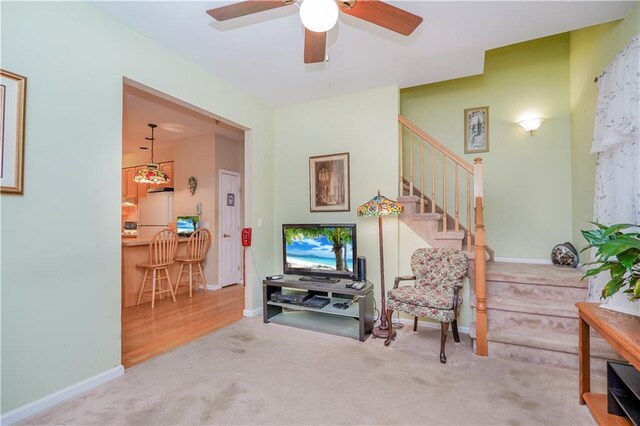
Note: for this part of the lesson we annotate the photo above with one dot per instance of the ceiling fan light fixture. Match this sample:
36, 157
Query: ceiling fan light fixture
319, 15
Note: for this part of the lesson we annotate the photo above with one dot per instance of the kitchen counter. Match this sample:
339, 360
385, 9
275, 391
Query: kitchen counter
136, 251
137, 241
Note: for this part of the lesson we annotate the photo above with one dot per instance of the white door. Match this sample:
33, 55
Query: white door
229, 228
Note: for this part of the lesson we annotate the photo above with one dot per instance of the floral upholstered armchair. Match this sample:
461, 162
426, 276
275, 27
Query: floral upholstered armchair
438, 275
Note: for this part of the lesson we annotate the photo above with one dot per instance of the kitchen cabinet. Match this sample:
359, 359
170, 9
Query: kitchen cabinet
129, 187
142, 187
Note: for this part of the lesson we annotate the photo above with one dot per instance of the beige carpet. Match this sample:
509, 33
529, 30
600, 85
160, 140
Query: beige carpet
255, 373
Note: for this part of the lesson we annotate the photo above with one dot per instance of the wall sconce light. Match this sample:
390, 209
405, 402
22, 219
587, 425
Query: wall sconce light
531, 124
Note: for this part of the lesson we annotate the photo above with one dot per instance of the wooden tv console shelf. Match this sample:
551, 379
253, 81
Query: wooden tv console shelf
355, 322
622, 333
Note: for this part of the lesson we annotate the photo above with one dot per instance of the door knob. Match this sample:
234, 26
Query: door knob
226, 236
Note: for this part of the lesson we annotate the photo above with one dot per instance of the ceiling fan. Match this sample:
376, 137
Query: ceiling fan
319, 16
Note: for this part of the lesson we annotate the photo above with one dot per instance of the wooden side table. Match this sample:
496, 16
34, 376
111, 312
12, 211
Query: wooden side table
622, 331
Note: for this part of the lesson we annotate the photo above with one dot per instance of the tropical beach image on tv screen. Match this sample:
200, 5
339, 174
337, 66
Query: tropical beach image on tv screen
321, 248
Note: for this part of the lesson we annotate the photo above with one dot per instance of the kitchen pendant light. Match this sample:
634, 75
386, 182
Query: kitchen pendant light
151, 173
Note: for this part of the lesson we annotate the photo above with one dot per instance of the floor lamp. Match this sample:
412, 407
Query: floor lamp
381, 206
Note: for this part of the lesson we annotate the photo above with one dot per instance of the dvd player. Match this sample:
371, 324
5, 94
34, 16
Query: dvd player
295, 298
318, 302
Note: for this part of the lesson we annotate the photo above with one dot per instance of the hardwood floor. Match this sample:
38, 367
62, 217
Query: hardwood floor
149, 332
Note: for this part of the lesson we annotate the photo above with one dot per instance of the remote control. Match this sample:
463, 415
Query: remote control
275, 277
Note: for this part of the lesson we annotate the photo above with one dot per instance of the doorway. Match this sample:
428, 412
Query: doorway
194, 145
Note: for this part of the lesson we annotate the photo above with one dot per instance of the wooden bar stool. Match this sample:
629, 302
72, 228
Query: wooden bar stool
162, 253
197, 247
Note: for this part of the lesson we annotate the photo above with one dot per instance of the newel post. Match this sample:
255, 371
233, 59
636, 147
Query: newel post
481, 261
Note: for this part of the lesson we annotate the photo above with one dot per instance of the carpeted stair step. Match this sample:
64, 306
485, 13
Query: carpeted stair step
536, 291
520, 312
545, 347
530, 273
450, 239
531, 321
564, 309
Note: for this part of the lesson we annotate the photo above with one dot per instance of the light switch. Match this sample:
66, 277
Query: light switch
259, 223
204, 225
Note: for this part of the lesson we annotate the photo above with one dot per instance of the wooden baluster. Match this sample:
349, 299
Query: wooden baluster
401, 167
433, 180
455, 196
480, 263
468, 212
444, 194
422, 186
410, 163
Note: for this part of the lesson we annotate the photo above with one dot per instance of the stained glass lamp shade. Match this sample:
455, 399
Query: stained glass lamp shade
151, 173
380, 206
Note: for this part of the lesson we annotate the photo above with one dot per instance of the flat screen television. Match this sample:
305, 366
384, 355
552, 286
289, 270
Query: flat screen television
319, 251
187, 225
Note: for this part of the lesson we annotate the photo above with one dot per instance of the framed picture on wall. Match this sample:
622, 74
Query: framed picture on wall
476, 130
329, 183
12, 111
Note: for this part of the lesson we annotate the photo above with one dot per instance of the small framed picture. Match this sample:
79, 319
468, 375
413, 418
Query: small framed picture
329, 183
12, 115
476, 130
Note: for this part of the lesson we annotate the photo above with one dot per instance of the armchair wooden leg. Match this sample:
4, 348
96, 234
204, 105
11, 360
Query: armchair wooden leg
454, 328
392, 332
443, 340
415, 323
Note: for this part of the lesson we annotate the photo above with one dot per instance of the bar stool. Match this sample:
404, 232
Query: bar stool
197, 247
162, 253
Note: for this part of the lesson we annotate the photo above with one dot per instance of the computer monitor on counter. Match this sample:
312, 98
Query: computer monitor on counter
187, 225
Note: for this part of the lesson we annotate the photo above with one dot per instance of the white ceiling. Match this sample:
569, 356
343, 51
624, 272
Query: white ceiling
175, 122
263, 53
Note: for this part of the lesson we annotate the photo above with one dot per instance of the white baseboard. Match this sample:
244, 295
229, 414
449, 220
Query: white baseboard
523, 260
214, 287
250, 313
430, 324
20, 413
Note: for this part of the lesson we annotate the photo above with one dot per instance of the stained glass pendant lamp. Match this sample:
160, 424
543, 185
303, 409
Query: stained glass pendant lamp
151, 173
380, 206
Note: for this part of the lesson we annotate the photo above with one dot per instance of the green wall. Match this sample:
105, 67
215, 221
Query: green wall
592, 49
61, 239
364, 125
527, 178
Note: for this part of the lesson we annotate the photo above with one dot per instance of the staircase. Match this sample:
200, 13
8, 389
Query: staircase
521, 311
532, 316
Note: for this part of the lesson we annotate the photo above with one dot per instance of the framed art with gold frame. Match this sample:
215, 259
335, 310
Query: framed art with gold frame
476, 130
13, 89
329, 183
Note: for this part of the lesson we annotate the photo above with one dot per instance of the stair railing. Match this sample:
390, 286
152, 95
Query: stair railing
452, 164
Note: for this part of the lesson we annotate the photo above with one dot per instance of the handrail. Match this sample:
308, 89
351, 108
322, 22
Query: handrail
437, 145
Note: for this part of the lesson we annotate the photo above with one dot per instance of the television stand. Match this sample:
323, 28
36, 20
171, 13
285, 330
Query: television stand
356, 321
319, 279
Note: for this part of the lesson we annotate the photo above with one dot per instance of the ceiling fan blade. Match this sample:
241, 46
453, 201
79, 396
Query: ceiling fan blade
314, 46
244, 8
383, 14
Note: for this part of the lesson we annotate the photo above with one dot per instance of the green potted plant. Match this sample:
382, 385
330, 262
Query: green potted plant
618, 253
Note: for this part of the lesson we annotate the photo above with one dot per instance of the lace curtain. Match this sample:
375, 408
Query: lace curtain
616, 141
